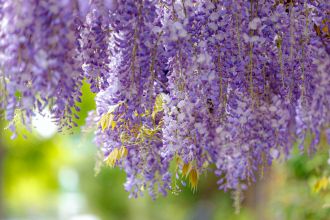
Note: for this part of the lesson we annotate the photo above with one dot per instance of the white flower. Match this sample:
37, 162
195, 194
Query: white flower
246, 37
181, 104
243, 120
204, 58
254, 24
177, 30
272, 108
214, 16
274, 153
219, 130
213, 26
181, 117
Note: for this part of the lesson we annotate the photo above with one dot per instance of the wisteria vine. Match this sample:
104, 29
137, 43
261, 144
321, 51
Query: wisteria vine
205, 85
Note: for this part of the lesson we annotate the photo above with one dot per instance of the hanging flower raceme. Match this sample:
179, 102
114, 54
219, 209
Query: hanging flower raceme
40, 65
94, 42
197, 83
129, 130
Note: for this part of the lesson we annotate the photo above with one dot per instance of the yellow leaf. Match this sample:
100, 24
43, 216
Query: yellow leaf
178, 160
103, 121
325, 29
205, 164
321, 184
112, 158
148, 132
116, 155
146, 113
123, 152
113, 124
193, 179
186, 169
107, 119
158, 107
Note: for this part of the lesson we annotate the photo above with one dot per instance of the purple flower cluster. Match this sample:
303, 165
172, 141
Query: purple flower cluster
94, 39
39, 62
232, 84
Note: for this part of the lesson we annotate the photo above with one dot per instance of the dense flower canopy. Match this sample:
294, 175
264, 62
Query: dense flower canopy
205, 85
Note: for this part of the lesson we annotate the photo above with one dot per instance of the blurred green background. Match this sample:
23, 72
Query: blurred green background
52, 176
